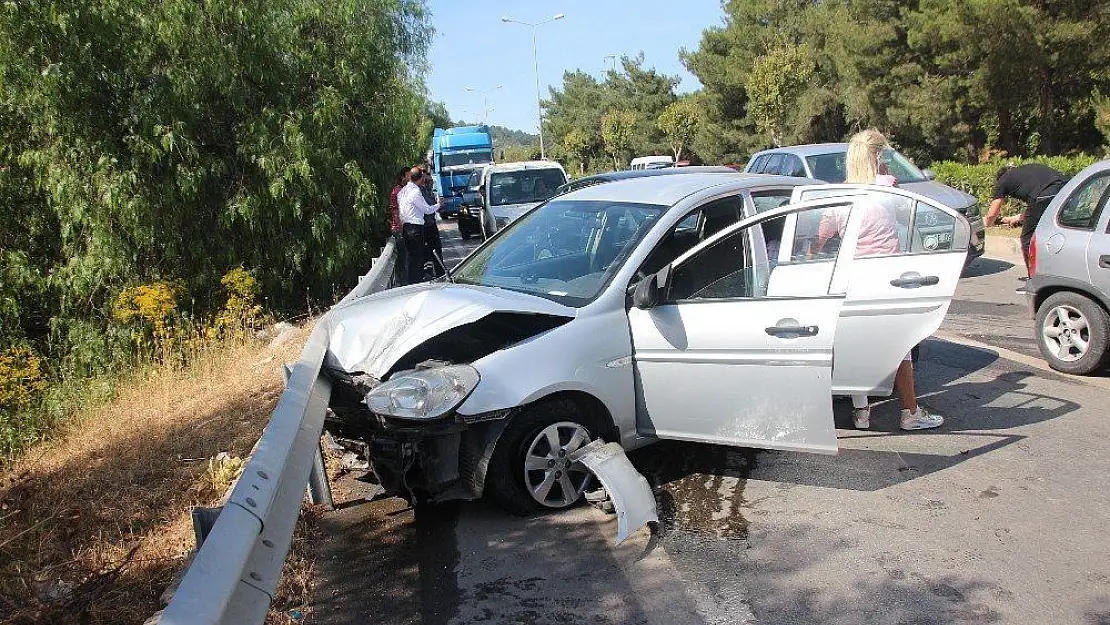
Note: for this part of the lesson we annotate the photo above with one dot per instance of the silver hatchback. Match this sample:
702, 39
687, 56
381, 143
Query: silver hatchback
724, 309
1069, 287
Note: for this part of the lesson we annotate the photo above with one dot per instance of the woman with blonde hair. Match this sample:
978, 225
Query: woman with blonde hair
878, 236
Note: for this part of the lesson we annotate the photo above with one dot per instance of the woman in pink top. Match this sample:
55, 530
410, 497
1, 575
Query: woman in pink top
878, 236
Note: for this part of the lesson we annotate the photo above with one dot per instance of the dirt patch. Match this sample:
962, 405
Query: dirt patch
94, 524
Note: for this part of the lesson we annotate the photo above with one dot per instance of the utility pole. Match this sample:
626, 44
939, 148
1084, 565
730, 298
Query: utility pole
536, 62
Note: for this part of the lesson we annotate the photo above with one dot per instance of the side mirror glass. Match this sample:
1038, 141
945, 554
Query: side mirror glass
651, 289
929, 174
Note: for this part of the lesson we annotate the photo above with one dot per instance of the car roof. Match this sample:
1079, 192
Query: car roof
640, 173
810, 149
669, 190
523, 165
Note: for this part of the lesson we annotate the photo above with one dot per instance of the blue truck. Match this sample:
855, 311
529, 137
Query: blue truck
456, 152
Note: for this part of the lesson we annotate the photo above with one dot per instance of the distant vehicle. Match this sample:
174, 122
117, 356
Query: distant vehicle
589, 181
825, 161
470, 210
652, 162
1069, 266
511, 189
456, 153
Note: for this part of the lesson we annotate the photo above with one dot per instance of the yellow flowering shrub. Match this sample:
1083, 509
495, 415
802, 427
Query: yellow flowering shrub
150, 303
21, 378
241, 312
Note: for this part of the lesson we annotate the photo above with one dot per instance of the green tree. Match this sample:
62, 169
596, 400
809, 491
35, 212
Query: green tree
578, 144
617, 128
149, 140
679, 123
774, 84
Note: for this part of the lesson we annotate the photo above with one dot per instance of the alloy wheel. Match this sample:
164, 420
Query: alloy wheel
1066, 333
551, 478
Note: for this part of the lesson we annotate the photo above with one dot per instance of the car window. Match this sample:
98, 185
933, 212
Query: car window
774, 161
566, 250
524, 186
718, 272
1083, 207
792, 166
828, 167
773, 228
697, 226
757, 165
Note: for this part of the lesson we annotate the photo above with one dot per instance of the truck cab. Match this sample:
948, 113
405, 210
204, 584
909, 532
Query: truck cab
456, 153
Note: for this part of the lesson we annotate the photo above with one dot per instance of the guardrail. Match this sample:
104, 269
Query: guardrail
239, 559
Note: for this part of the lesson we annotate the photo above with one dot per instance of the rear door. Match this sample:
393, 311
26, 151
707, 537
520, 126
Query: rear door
1082, 223
721, 360
907, 262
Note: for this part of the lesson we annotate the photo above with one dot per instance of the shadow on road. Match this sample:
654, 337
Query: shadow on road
983, 266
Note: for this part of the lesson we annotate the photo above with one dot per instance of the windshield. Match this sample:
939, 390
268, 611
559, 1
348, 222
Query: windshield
830, 167
565, 250
524, 186
477, 157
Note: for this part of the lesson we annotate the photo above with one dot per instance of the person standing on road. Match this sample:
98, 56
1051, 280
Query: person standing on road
432, 240
879, 235
400, 268
1032, 183
412, 208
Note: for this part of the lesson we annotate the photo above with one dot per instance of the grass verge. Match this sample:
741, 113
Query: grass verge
95, 523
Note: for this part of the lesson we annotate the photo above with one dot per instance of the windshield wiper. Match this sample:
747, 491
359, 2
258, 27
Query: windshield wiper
446, 272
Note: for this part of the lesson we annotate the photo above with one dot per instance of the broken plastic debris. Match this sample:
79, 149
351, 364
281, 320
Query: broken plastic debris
630, 492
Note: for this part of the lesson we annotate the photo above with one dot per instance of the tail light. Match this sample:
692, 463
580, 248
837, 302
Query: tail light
1033, 256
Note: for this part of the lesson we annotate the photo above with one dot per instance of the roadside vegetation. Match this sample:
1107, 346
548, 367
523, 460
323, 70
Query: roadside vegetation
169, 168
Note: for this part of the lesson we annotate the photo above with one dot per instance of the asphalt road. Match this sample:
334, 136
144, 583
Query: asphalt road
997, 517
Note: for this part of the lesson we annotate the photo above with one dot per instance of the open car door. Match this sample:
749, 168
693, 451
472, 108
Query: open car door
895, 296
719, 358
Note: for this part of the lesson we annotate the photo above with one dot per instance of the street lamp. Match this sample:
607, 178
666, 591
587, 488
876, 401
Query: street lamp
536, 61
485, 99
612, 58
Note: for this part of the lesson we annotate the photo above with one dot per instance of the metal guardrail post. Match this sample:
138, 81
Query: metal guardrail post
319, 490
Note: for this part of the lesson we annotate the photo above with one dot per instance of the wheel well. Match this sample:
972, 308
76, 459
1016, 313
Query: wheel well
591, 406
1048, 291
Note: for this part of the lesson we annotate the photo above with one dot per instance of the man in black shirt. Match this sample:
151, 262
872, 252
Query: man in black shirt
1032, 183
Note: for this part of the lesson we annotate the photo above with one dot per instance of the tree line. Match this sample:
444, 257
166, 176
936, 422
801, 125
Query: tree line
169, 141
963, 80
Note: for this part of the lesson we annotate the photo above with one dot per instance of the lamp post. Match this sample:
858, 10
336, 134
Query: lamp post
612, 58
536, 62
485, 99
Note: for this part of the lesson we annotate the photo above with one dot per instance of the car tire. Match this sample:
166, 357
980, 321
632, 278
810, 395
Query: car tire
1067, 321
508, 481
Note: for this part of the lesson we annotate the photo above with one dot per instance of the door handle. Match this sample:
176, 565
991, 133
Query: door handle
792, 331
912, 282
1104, 261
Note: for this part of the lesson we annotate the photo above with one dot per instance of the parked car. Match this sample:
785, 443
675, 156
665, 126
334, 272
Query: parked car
512, 189
651, 162
589, 181
699, 307
1069, 284
825, 161
470, 208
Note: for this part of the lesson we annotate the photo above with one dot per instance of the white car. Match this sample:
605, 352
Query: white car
718, 308
509, 190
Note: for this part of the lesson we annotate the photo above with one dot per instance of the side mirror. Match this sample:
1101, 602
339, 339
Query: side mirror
929, 174
650, 289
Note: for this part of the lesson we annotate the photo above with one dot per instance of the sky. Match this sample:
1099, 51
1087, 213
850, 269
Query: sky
474, 48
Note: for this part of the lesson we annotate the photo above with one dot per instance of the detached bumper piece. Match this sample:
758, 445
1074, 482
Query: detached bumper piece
630, 491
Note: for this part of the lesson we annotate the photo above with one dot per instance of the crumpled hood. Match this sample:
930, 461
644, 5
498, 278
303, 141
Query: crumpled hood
952, 198
370, 334
512, 211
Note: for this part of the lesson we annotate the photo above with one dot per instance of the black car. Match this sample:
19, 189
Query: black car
590, 181
470, 209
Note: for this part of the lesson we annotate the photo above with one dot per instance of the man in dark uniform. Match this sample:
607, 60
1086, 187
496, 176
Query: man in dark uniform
1032, 183
432, 240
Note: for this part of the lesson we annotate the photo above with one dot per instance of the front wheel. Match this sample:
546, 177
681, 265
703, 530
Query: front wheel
1073, 333
530, 469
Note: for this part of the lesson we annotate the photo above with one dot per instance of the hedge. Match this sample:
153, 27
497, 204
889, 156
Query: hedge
978, 180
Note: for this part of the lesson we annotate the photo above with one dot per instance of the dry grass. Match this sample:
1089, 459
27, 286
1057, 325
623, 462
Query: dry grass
94, 524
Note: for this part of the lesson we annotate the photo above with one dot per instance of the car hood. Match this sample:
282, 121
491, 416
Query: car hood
952, 198
512, 211
370, 334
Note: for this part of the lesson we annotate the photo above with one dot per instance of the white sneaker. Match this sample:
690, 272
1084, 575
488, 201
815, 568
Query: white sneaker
920, 420
862, 418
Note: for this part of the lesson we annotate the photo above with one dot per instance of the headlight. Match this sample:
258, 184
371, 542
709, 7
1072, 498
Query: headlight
426, 394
